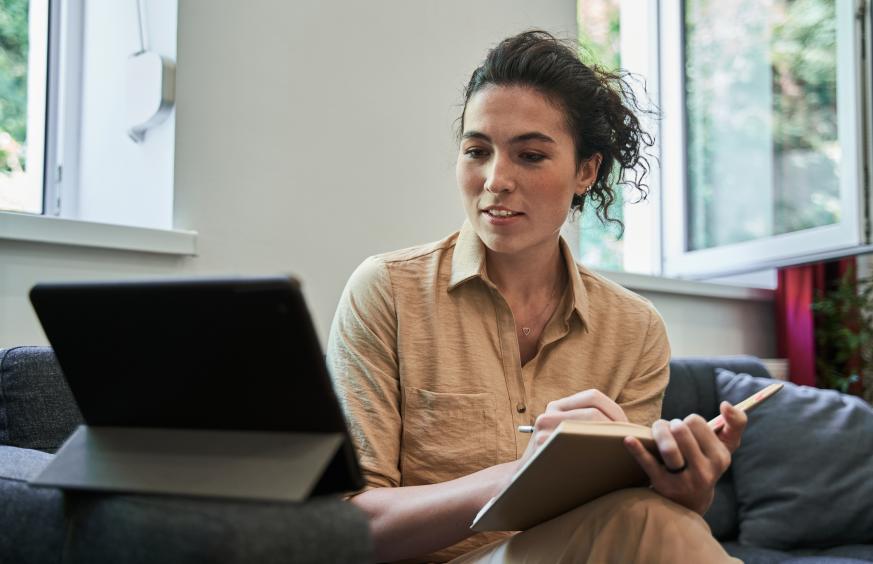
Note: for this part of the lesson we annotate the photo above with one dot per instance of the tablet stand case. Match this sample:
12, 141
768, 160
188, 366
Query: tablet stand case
267, 466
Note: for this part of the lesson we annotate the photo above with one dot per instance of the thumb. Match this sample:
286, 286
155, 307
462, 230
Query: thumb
735, 423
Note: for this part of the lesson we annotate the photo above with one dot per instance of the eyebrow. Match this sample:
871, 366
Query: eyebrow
531, 136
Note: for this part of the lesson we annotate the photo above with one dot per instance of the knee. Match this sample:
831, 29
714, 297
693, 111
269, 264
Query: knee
655, 529
644, 507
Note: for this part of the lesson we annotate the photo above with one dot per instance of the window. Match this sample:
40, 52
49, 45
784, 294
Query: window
23, 35
100, 173
762, 120
760, 142
87, 125
769, 147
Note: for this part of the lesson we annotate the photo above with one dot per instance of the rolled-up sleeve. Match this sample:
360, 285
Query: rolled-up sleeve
643, 394
362, 359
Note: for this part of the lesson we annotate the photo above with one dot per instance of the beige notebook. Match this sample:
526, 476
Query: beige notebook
581, 461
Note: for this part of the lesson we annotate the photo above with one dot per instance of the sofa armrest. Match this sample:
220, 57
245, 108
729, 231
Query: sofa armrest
37, 409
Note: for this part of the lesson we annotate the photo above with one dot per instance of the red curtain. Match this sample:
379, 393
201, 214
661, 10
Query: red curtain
795, 323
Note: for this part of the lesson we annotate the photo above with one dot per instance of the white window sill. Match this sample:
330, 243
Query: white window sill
53, 230
646, 283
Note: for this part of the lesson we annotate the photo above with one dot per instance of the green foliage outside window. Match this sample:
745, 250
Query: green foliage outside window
600, 244
762, 118
13, 83
599, 33
804, 54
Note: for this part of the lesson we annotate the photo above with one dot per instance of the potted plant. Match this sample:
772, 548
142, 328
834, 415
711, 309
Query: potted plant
844, 336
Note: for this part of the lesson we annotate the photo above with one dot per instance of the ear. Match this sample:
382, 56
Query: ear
587, 173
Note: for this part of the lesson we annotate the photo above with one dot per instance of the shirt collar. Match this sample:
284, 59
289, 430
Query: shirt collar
468, 262
580, 294
468, 259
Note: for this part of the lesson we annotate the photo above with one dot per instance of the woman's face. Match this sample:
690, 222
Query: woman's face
517, 169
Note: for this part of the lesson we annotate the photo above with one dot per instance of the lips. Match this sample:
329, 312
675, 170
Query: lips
501, 217
501, 212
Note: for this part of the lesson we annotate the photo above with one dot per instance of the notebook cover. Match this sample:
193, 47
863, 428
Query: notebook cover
581, 461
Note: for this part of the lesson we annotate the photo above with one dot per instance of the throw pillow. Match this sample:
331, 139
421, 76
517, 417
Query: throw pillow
804, 472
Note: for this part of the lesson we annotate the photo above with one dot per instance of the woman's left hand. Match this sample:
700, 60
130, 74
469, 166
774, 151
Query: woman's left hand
694, 456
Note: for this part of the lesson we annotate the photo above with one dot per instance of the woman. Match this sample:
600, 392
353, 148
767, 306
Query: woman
440, 351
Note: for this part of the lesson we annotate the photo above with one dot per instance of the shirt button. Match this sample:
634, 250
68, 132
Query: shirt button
521, 408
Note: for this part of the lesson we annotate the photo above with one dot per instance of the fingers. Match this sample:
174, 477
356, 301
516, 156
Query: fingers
654, 468
589, 399
713, 452
589, 405
736, 421
704, 437
677, 444
550, 420
678, 447
693, 444
650, 465
667, 445
546, 423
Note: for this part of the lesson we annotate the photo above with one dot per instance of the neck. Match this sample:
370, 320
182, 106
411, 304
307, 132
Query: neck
526, 278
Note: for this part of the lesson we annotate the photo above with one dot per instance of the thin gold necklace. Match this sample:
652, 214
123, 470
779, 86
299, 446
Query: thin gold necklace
527, 330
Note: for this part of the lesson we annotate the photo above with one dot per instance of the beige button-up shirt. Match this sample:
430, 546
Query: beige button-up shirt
425, 358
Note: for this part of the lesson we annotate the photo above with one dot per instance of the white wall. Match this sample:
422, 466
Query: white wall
317, 133
310, 135
700, 326
865, 266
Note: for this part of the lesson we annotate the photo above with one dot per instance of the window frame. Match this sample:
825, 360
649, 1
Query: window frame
63, 112
640, 56
59, 222
849, 236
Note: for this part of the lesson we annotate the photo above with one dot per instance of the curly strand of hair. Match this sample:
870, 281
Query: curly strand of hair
627, 148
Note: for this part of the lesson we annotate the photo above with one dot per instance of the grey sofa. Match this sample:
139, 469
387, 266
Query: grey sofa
37, 525
800, 489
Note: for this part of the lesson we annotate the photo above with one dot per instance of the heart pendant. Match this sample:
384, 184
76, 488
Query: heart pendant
526, 331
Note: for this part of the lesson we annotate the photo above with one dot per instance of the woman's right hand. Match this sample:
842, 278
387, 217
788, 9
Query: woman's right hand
588, 405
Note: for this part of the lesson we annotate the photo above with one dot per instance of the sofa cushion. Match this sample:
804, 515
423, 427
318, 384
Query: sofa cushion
692, 390
803, 473
722, 514
31, 519
45, 525
37, 409
853, 554
106, 529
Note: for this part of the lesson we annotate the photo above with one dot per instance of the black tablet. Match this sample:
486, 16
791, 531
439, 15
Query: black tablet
236, 354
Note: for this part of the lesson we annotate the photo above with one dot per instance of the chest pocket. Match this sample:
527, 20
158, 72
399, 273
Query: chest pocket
446, 436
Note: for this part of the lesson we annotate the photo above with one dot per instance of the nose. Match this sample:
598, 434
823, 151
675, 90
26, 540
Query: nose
499, 177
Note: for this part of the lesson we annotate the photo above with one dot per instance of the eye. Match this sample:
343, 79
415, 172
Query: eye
532, 157
475, 153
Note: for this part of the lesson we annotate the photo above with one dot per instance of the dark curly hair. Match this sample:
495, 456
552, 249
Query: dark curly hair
599, 105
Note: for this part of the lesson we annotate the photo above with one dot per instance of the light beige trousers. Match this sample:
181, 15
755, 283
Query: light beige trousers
633, 525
